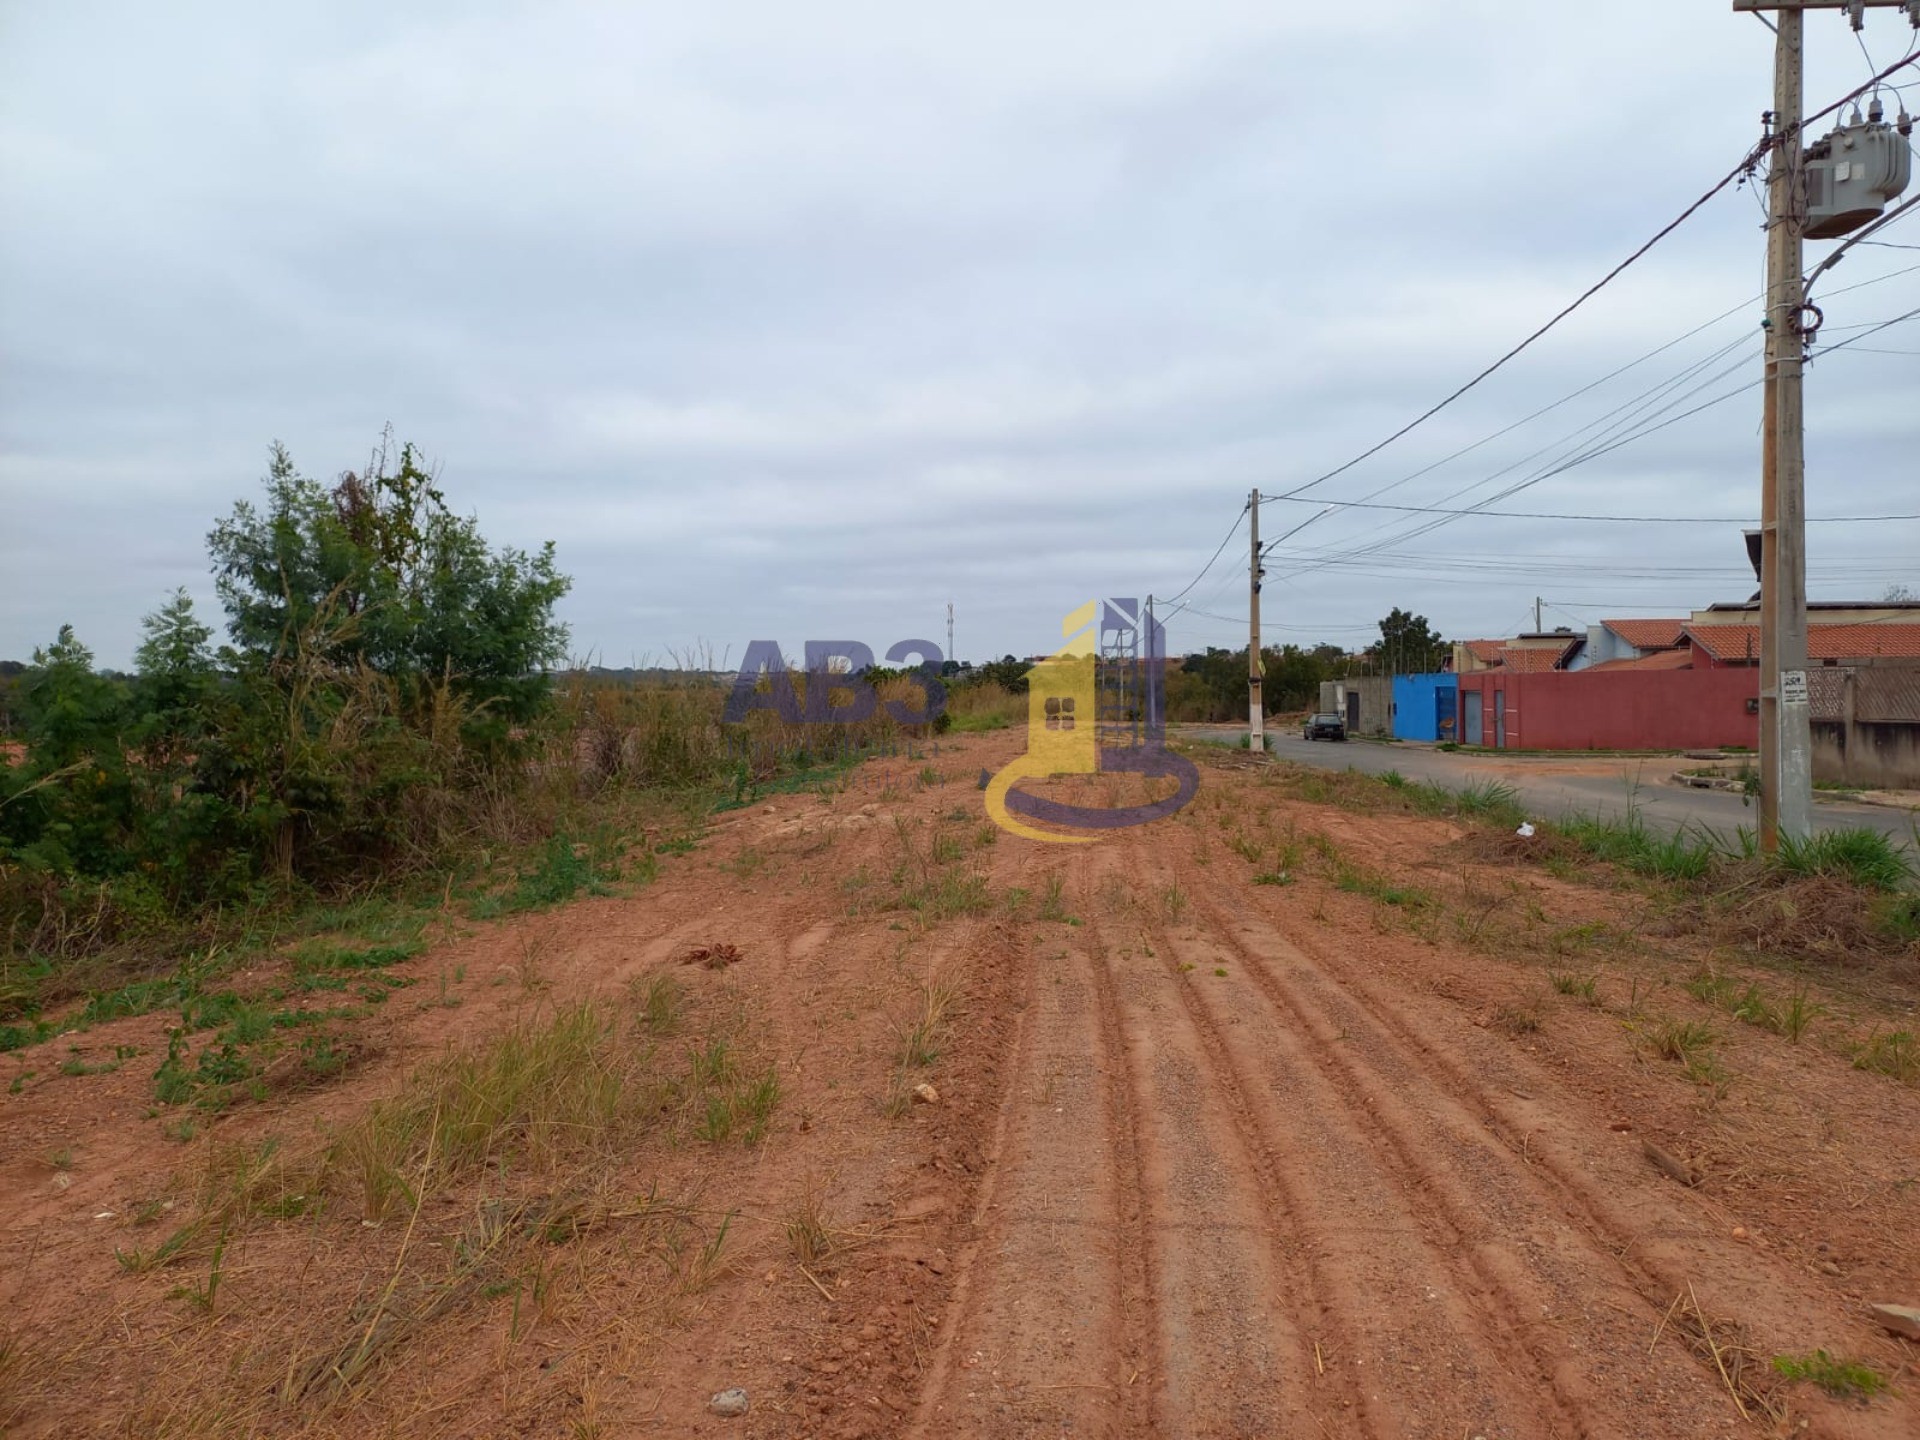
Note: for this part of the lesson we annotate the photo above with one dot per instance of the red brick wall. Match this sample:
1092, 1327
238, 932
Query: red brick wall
1619, 710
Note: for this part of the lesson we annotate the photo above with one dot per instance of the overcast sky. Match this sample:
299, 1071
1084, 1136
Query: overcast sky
801, 320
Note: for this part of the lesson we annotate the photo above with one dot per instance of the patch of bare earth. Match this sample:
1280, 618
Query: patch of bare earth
1268, 1119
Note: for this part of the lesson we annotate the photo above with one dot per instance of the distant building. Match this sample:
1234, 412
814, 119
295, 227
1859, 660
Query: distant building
1623, 642
1526, 654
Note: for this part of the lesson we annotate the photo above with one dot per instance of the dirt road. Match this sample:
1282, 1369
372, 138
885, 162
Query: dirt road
1265, 1120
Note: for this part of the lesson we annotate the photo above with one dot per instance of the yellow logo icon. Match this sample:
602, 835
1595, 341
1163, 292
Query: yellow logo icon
1063, 737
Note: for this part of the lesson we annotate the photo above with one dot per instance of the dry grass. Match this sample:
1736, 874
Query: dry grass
539, 1091
1721, 1343
810, 1236
544, 1117
922, 1036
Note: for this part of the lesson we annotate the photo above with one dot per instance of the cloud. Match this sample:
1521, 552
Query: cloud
802, 321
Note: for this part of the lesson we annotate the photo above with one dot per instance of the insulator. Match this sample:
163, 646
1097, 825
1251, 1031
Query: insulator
1875, 110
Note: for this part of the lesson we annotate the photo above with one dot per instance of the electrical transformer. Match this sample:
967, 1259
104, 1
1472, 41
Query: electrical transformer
1852, 174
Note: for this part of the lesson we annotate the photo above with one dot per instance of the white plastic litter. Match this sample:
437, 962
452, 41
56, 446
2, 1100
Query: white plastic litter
1525, 832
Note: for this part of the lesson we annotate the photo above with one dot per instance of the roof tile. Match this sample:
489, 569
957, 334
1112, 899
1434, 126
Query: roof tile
1533, 661
1896, 638
1659, 660
1648, 634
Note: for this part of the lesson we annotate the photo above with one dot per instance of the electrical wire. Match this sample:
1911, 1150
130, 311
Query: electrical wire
1606, 423
1754, 155
1602, 445
1592, 450
1613, 519
1216, 555
1874, 330
1563, 400
1861, 39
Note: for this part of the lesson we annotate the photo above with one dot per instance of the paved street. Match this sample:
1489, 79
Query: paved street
1553, 785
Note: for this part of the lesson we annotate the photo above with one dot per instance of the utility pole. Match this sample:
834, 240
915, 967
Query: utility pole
1536, 614
1256, 705
950, 654
1786, 745
1786, 741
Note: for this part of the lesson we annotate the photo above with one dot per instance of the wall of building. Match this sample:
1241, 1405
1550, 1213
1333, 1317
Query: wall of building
1617, 710
1602, 645
1870, 756
1866, 724
1365, 703
1425, 707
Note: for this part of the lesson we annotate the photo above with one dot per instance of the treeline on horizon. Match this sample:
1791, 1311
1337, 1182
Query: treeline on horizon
391, 694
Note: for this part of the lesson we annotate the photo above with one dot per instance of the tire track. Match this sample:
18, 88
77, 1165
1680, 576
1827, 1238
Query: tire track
1237, 1306
1049, 1323
1438, 1314
1530, 1247
1540, 1171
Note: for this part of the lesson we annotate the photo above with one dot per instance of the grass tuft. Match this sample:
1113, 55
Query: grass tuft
538, 1090
1894, 1054
1586, 987
1843, 1379
1864, 857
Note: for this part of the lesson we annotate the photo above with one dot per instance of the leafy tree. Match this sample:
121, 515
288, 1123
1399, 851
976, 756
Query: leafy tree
1008, 672
1290, 678
68, 806
10, 673
378, 572
70, 714
177, 677
1409, 645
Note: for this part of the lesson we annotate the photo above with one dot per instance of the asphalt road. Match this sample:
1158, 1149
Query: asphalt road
1553, 785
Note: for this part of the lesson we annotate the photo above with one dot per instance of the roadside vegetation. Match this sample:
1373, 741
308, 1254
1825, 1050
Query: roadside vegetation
386, 736
1835, 915
1837, 895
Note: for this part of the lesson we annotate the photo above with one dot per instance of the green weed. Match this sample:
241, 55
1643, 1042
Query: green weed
1894, 1054
1586, 987
1680, 1039
1843, 1379
1861, 856
1053, 901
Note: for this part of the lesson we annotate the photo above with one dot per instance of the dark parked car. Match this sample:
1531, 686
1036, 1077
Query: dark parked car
1326, 727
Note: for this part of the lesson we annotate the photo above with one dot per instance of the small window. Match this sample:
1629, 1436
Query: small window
1060, 713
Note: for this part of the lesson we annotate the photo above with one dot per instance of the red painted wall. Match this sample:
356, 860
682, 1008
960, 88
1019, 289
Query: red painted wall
1619, 710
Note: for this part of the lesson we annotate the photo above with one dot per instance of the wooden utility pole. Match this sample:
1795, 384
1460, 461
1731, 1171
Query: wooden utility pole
1256, 703
1786, 742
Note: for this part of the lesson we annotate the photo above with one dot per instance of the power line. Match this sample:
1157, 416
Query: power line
1875, 330
1608, 423
1564, 399
1611, 519
1593, 450
1216, 555
1747, 162
1596, 448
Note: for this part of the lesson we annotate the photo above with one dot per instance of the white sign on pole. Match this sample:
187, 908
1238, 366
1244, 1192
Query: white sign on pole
1793, 687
